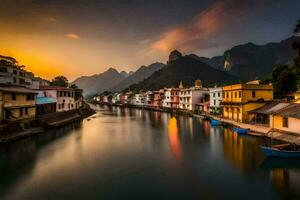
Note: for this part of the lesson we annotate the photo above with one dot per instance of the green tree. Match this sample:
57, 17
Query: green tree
285, 80
60, 81
74, 86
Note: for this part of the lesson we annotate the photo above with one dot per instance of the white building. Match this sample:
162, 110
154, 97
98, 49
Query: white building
14, 75
139, 99
66, 98
148, 98
215, 97
167, 98
189, 97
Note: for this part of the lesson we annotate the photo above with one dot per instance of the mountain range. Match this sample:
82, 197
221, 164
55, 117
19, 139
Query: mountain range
112, 80
186, 69
250, 61
240, 63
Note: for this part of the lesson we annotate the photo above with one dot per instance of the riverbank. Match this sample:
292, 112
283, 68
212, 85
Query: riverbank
52, 120
254, 129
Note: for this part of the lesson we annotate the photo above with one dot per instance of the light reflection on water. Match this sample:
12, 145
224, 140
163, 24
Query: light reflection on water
130, 153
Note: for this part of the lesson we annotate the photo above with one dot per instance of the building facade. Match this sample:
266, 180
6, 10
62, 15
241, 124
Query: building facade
66, 98
17, 104
215, 99
189, 97
286, 119
171, 98
17, 76
158, 97
239, 99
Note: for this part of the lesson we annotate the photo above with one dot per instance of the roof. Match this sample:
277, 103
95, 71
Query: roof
44, 100
270, 107
17, 89
292, 110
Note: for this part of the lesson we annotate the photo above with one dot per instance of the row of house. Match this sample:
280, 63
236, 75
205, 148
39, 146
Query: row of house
251, 102
24, 97
168, 98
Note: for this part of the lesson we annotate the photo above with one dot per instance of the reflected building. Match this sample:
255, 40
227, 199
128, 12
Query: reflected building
174, 138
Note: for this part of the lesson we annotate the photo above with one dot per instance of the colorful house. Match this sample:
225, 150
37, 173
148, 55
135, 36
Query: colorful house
139, 99
66, 98
158, 97
149, 98
215, 97
17, 104
239, 99
287, 119
189, 97
44, 104
171, 98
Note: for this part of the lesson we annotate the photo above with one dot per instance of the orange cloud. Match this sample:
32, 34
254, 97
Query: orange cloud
72, 36
204, 25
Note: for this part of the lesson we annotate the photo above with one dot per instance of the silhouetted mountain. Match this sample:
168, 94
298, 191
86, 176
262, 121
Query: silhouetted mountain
142, 73
186, 69
100, 82
251, 61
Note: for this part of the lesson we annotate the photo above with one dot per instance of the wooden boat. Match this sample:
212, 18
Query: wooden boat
240, 131
214, 122
281, 151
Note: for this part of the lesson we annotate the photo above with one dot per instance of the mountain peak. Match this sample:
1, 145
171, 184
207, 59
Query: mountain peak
174, 55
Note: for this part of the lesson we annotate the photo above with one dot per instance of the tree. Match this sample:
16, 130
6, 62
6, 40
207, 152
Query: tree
74, 86
285, 81
60, 81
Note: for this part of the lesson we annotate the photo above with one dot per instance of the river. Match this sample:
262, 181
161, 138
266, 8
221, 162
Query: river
135, 154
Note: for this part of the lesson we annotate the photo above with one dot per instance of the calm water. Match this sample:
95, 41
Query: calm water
135, 154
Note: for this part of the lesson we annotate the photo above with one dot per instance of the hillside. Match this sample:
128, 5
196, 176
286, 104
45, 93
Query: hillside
100, 82
186, 69
142, 73
251, 61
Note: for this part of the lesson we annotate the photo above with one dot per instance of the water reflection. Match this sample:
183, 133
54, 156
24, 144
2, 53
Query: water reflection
243, 151
130, 153
174, 139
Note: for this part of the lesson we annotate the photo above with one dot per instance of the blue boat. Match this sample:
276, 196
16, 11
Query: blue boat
240, 131
275, 152
214, 122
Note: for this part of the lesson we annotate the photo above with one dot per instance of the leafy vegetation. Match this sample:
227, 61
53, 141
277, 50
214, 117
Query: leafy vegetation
286, 79
61, 81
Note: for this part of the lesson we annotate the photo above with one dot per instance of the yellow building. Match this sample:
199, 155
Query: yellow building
287, 118
17, 104
239, 99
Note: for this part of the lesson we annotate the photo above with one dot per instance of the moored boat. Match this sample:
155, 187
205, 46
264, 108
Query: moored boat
240, 131
281, 153
214, 122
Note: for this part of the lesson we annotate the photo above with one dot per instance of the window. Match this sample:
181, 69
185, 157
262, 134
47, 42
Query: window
219, 94
285, 122
253, 94
15, 80
235, 94
13, 96
15, 72
214, 102
227, 94
21, 112
240, 94
26, 111
214, 95
29, 97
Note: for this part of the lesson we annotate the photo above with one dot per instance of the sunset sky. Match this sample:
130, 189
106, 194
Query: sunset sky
85, 37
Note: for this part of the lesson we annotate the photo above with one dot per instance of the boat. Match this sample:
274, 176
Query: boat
240, 131
280, 153
215, 122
